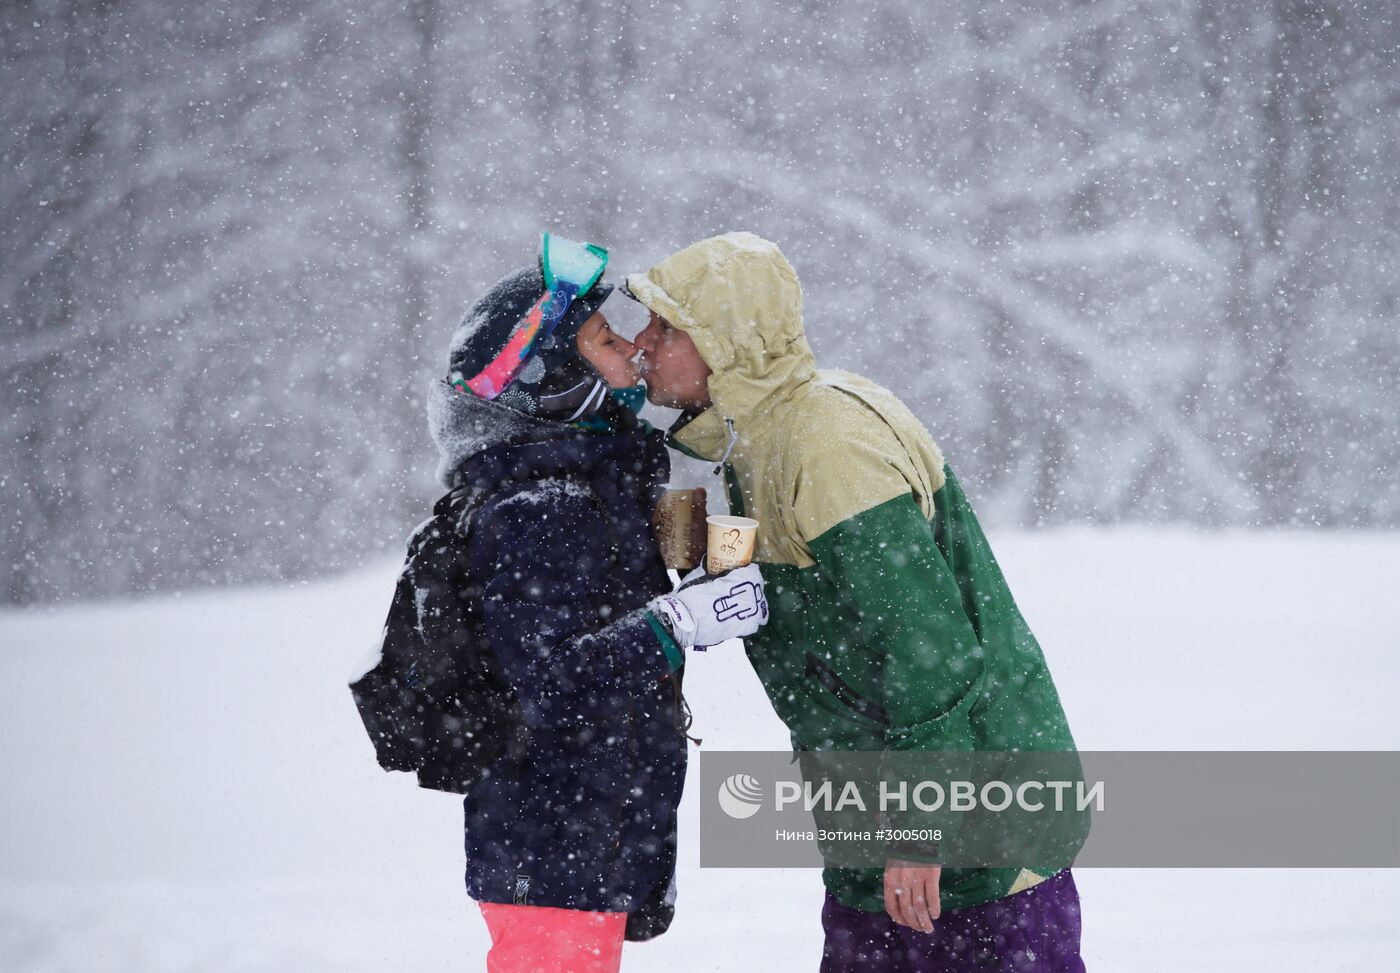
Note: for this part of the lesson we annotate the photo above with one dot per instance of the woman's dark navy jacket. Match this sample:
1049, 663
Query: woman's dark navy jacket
563, 551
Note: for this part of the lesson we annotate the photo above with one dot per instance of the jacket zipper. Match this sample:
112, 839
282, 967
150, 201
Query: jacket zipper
838, 687
728, 447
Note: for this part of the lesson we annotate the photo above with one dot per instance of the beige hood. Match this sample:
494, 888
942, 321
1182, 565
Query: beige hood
738, 298
811, 448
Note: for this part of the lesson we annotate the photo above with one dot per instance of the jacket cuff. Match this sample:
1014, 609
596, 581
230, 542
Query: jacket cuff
920, 852
675, 658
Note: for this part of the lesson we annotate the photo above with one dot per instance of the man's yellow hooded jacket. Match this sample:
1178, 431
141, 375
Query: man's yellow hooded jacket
892, 627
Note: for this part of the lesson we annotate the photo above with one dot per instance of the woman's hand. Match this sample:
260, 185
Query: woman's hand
681, 551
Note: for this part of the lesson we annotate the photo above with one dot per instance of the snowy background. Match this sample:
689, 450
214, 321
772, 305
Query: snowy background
1130, 260
186, 785
1133, 262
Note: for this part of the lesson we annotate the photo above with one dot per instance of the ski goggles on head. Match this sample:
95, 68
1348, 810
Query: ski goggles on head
571, 270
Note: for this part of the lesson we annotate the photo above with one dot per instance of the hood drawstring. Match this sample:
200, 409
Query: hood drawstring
685, 719
733, 438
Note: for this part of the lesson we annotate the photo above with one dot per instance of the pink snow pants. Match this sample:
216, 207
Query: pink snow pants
539, 939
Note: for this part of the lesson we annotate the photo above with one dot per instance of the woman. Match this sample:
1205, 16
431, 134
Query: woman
571, 826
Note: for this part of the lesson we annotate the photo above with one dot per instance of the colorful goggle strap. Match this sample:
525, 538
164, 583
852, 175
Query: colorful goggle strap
570, 270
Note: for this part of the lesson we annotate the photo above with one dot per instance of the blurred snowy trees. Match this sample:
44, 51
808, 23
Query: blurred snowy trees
1127, 260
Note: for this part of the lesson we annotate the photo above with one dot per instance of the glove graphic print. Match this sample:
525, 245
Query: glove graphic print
707, 612
745, 600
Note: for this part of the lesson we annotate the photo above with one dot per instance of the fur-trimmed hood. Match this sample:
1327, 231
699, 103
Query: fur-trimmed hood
463, 425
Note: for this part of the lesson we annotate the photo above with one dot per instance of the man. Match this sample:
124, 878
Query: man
892, 628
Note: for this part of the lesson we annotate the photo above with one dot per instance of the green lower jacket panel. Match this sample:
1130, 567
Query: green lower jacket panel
904, 636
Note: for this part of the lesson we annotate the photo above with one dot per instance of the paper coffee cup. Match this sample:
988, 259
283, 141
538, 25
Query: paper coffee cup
679, 515
731, 541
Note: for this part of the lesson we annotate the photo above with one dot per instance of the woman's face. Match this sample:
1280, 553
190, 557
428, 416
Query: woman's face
608, 352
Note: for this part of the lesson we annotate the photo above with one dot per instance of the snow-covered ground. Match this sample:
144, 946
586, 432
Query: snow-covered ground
186, 785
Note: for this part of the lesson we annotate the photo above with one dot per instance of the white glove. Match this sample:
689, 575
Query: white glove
731, 606
694, 575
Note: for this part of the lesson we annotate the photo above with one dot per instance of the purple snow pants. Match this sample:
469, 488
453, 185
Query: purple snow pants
1035, 931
